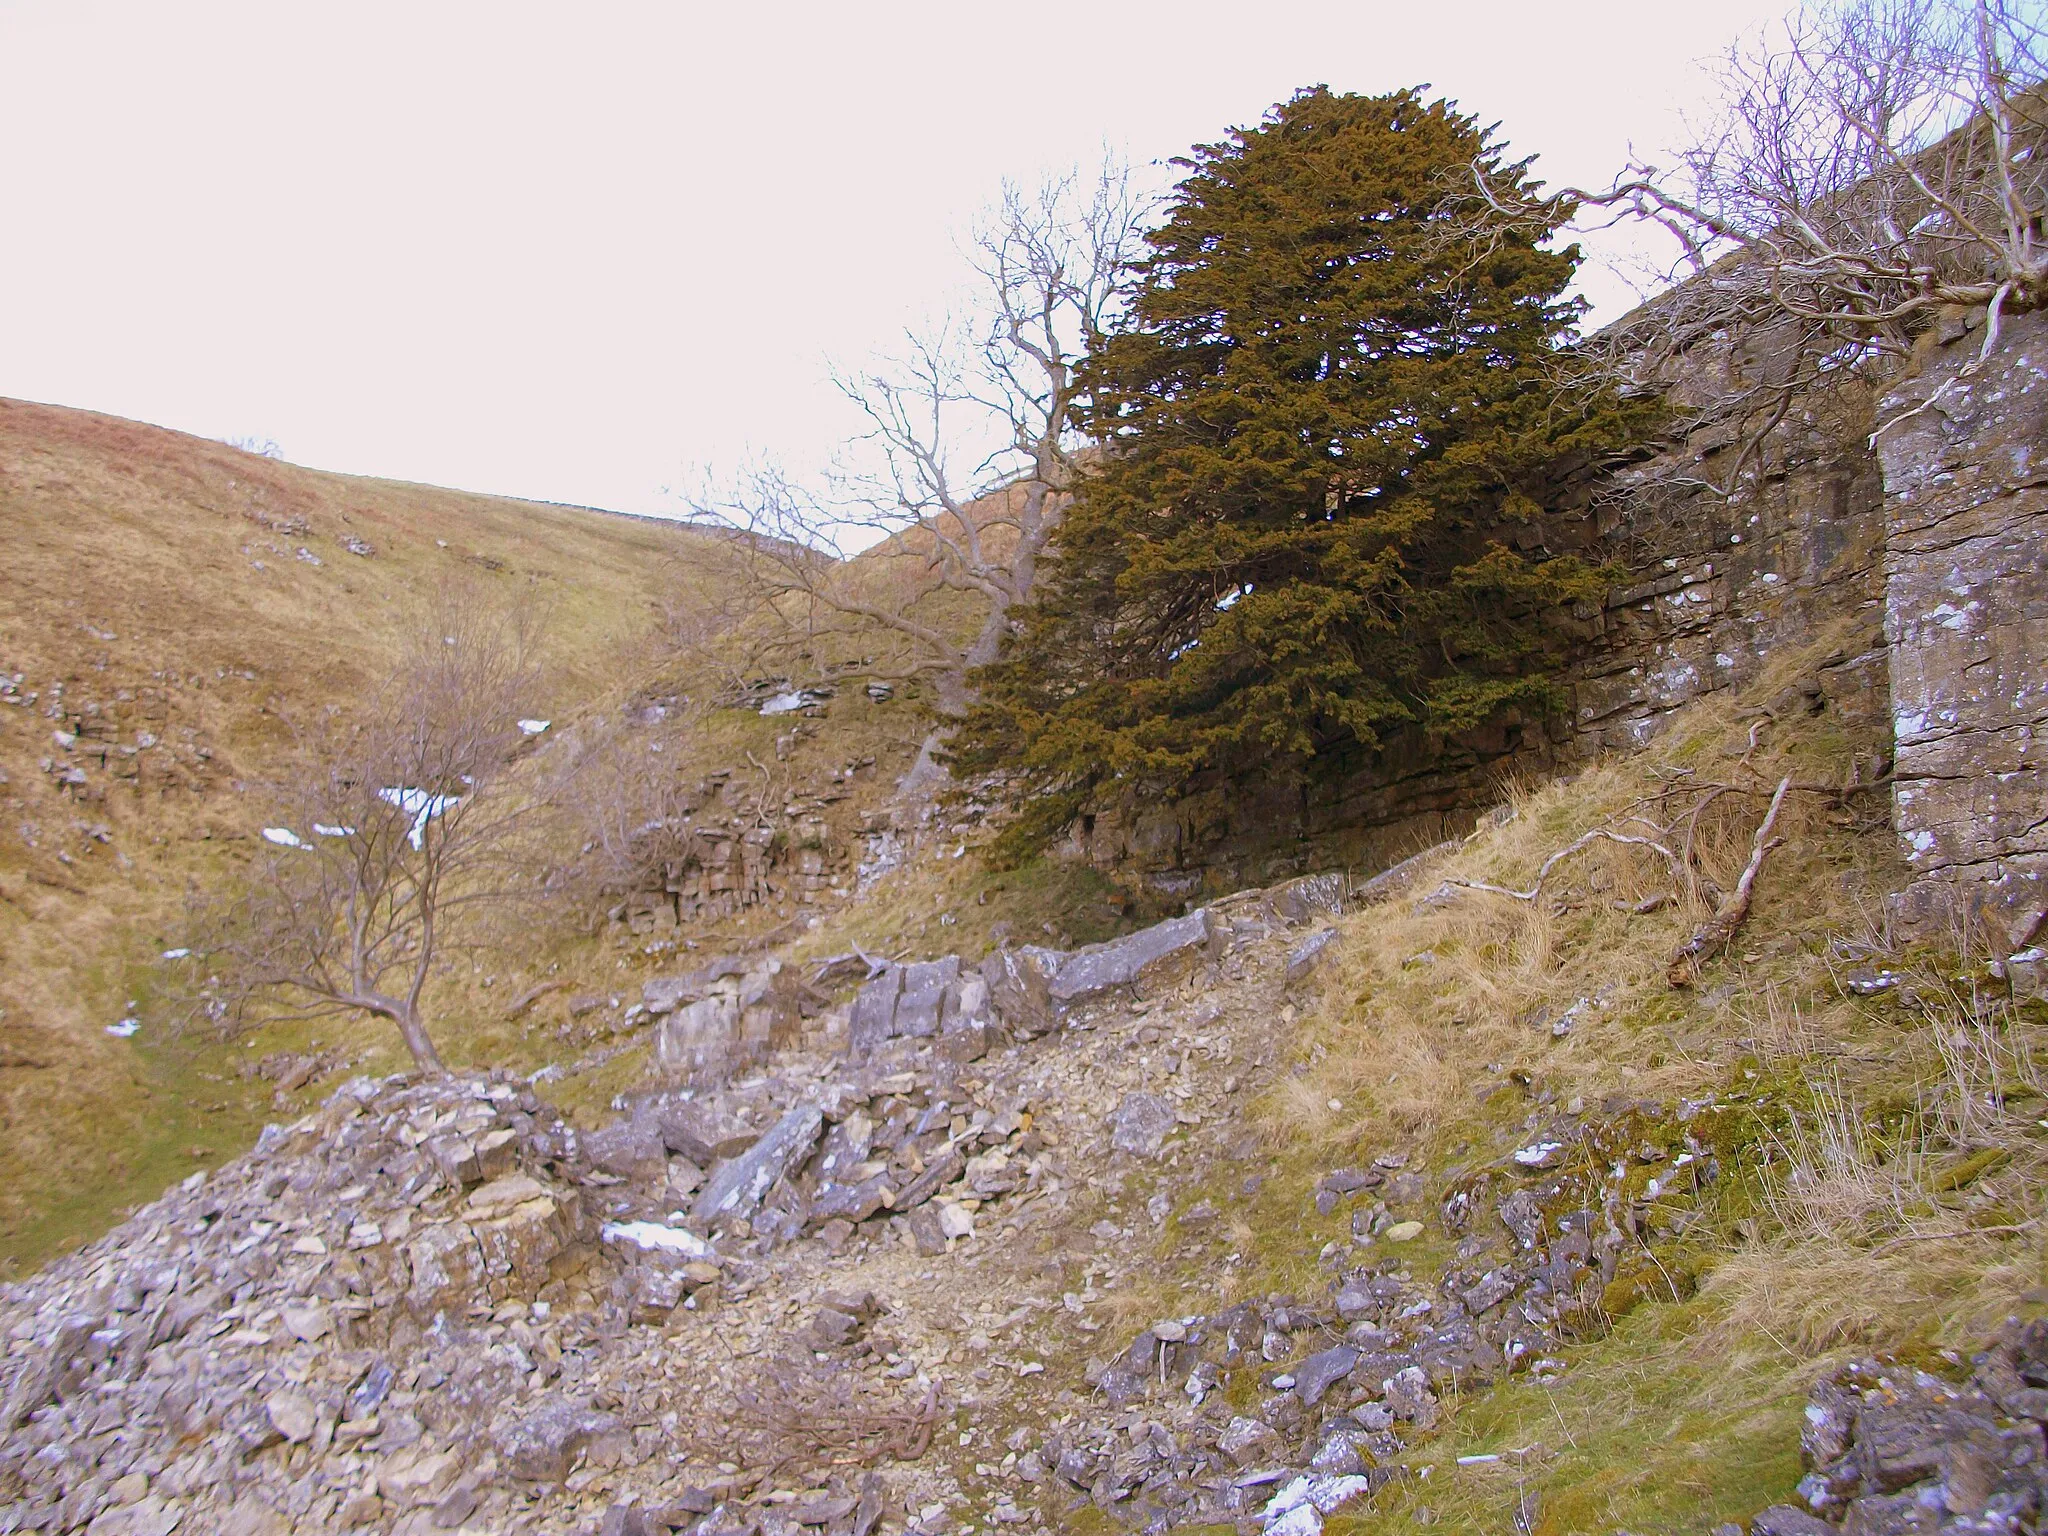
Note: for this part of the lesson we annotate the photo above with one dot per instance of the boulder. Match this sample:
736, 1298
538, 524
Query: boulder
665, 994
923, 998
1319, 1372
703, 1133
700, 1039
1141, 1125
1120, 962
542, 1444
1308, 897
1249, 1441
1400, 878
1019, 983
631, 1149
1307, 956
874, 1012
737, 1189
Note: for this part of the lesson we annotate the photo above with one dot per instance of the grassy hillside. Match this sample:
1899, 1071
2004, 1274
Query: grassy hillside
170, 606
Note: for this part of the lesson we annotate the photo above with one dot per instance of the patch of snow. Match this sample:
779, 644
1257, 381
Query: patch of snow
284, 837
175, 954
1300, 1505
125, 1029
330, 831
653, 1237
534, 727
421, 805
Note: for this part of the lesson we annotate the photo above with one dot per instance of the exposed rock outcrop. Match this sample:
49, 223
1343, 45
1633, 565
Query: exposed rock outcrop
1967, 615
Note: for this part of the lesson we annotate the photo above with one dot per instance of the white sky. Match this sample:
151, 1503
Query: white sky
573, 251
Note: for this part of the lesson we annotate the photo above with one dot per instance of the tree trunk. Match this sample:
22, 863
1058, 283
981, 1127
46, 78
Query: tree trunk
424, 1056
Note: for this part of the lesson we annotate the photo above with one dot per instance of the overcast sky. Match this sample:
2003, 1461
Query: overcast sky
573, 251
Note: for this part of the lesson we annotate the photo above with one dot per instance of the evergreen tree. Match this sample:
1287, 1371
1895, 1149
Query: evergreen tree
1334, 391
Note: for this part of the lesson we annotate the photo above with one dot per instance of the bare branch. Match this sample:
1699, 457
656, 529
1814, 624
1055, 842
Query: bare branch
394, 825
1597, 835
1874, 163
971, 450
1715, 934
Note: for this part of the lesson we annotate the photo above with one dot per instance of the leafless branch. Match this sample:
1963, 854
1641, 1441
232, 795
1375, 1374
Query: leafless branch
1597, 835
398, 825
1715, 934
971, 449
1874, 164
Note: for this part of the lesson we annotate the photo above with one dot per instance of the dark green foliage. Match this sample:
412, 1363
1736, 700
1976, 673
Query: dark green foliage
1334, 397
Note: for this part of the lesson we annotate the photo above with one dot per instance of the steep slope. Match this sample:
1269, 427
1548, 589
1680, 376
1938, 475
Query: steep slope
169, 605
1412, 1202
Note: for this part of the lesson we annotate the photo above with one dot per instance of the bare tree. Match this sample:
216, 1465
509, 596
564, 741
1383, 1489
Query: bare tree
1871, 164
395, 828
971, 450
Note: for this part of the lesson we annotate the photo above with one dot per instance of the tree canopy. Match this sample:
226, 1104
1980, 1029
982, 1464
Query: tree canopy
1332, 396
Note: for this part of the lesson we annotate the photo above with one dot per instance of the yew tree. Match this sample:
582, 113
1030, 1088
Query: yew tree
1332, 398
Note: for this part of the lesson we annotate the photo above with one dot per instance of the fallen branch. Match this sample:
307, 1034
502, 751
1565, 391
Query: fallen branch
1597, 835
530, 996
1716, 933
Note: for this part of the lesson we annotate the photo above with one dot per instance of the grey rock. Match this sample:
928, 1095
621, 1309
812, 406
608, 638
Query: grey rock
1338, 1455
737, 1189
665, 994
1319, 1372
1407, 1396
1120, 962
628, 1148
1523, 1218
1308, 897
823, 1511
938, 1173
1400, 878
874, 1012
1141, 1125
704, 1133
1076, 1466
542, 1444
848, 1202
1247, 1441
967, 1002
1307, 956
1493, 1288
1788, 1520
1355, 1300
699, 1039
1019, 985
456, 1506
923, 998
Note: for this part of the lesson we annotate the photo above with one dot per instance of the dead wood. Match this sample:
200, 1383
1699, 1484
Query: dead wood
530, 996
1715, 934
1597, 835
797, 1415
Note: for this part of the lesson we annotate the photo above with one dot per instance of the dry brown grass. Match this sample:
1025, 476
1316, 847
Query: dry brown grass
1434, 1003
140, 559
1889, 1195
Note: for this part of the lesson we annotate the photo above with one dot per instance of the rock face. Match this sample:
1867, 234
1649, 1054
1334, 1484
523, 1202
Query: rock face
726, 1017
1966, 611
